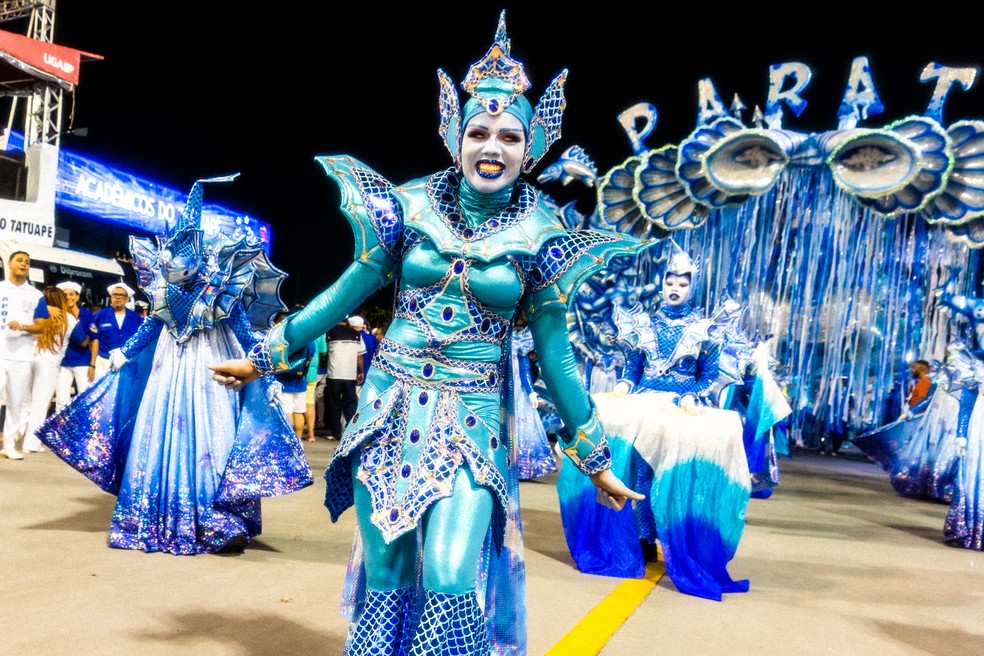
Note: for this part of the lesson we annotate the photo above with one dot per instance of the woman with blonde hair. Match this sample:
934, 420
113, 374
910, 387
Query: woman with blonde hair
49, 349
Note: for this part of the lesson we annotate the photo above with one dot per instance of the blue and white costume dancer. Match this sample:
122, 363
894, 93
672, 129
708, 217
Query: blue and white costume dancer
686, 455
188, 460
438, 563
534, 457
919, 450
964, 524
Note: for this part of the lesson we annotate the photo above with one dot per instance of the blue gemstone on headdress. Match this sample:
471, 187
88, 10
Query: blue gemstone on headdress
428, 370
448, 313
422, 398
493, 106
556, 252
537, 275
467, 233
414, 436
412, 306
485, 326
493, 223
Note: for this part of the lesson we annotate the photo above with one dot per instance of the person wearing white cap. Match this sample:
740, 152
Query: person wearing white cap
112, 327
75, 365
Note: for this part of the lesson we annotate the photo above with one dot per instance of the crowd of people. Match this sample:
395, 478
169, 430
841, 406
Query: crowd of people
51, 348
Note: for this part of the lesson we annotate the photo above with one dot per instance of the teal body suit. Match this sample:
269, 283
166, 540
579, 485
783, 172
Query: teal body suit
426, 448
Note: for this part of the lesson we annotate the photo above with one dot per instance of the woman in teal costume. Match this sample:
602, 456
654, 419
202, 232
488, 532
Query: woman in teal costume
425, 460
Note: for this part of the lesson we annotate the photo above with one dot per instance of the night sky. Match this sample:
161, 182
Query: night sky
192, 89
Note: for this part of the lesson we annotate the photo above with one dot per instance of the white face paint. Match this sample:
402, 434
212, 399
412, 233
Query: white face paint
492, 150
676, 289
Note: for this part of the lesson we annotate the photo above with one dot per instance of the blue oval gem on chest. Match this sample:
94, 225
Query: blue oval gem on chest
422, 399
458, 267
406, 471
448, 313
427, 370
470, 421
414, 436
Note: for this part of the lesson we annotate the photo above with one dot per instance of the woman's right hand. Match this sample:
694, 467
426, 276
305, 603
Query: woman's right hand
233, 374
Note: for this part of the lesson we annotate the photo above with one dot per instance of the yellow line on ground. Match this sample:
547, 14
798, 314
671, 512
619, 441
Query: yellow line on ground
592, 633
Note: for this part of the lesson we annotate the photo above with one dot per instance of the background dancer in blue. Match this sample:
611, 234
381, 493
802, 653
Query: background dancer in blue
188, 460
425, 461
685, 453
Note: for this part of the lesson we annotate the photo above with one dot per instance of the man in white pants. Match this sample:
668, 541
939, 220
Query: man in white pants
22, 314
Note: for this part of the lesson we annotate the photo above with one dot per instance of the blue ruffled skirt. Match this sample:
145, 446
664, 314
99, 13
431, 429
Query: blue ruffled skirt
187, 459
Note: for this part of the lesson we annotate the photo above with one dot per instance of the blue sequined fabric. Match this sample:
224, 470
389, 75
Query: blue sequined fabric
534, 457
964, 525
383, 209
188, 459
451, 625
556, 258
385, 627
656, 369
410, 440
442, 188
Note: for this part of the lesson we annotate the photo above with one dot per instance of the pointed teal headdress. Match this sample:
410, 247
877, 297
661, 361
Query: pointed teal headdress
496, 84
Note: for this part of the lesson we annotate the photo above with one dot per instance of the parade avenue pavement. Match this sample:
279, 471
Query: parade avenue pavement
838, 563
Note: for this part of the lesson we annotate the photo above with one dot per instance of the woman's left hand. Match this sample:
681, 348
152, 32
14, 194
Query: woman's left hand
612, 492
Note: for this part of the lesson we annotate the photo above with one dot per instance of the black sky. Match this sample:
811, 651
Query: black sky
192, 89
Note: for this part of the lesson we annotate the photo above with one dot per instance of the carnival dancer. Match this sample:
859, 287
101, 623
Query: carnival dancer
534, 457
188, 460
685, 452
426, 456
964, 524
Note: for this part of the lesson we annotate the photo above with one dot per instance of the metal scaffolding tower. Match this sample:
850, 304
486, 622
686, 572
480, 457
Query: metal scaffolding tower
43, 108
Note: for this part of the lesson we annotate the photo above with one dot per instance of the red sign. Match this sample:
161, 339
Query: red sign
58, 61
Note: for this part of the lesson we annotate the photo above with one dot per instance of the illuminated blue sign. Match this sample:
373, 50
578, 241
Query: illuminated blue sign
109, 194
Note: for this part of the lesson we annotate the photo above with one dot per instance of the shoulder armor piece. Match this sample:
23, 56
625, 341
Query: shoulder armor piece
565, 263
373, 208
